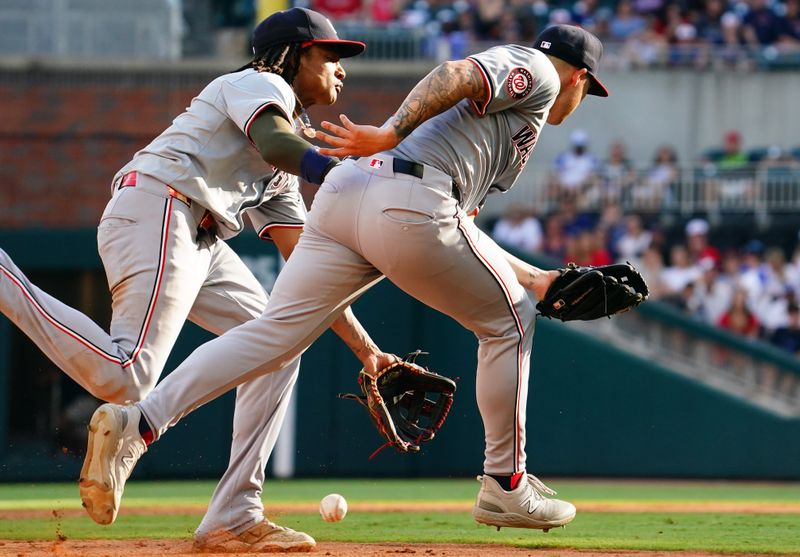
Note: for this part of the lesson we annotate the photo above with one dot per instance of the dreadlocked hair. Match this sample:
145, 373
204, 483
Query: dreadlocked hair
280, 59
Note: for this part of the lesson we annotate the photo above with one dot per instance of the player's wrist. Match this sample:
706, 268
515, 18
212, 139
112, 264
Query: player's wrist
330, 166
541, 282
392, 134
315, 166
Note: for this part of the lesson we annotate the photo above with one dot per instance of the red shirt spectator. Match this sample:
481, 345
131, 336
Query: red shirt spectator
587, 248
740, 322
338, 9
697, 241
383, 11
739, 319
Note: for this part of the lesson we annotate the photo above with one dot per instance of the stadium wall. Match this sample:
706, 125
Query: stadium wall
593, 410
69, 128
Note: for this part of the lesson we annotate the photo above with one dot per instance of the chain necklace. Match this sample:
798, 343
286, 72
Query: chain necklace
304, 120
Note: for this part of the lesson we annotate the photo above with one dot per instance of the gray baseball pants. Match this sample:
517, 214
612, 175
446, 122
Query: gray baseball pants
367, 221
159, 276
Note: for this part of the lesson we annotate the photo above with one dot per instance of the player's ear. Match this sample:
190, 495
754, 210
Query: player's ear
578, 76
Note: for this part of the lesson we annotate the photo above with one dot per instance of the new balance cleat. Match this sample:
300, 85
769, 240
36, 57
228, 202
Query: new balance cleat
524, 507
114, 448
264, 537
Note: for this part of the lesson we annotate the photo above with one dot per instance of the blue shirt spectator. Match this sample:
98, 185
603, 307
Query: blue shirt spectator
709, 24
790, 22
626, 23
760, 25
788, 336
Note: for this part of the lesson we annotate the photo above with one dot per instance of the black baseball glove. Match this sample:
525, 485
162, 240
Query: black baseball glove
407, 402
585, 293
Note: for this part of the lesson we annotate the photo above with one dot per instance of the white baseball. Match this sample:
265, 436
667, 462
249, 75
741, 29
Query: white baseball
333, 507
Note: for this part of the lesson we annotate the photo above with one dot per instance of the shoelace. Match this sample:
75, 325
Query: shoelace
259, 532
538, 487
277, 527
270, 529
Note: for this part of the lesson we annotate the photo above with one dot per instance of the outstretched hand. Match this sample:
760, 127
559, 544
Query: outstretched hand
351, 139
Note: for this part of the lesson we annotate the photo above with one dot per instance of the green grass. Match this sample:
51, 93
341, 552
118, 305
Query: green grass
728, 533
714, 532
48, 496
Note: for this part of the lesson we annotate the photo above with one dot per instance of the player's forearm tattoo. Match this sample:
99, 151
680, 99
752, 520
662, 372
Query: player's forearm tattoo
532, 276
441, 89
349, 329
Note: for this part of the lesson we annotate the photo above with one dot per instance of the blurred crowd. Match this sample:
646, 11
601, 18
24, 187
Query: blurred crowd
751, 290
681, 32
726, 173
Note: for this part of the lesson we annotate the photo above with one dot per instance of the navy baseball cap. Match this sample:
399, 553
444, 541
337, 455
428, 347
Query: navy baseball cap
576, 47
300, 25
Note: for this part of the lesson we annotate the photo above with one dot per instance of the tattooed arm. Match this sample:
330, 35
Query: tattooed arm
356, 337
442, 88
531, 277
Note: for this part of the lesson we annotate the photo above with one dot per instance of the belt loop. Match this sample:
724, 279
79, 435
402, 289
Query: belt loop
206, 228
128, 180
179, 196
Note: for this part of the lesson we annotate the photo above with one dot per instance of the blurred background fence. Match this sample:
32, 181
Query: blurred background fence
710, 35
149, 29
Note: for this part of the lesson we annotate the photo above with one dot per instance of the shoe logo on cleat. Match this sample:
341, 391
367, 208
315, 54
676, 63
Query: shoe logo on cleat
129, 460
531, 502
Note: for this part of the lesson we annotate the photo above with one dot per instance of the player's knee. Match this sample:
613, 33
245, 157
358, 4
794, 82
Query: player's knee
120, 389
109, 392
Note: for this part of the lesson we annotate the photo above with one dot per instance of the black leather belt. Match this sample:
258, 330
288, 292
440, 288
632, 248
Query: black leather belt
417, 170
403, 166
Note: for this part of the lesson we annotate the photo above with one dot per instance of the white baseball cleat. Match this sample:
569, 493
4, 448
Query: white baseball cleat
523, 507
115, 447
264, 537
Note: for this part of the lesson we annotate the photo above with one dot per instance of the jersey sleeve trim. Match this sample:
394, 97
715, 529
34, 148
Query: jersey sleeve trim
264, 234
258, 111
481, 109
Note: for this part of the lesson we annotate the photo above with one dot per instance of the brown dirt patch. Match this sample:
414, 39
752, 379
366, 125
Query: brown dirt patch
178, 548
751, 507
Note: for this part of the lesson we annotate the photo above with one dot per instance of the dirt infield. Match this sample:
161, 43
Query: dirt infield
750, 507
177, 548
173, 548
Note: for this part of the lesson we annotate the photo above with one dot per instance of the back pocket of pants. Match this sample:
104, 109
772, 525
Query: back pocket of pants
406, 215
114, 221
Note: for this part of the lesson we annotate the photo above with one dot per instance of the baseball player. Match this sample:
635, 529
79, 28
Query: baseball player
161, 242
467, 129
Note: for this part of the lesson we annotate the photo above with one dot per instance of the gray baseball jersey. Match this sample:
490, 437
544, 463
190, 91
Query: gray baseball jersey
484, 146
206, 154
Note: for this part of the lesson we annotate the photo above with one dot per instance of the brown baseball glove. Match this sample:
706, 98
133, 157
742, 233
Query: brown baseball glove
407, 402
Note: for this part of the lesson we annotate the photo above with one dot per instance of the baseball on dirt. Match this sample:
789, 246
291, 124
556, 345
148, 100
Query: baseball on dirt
333, 507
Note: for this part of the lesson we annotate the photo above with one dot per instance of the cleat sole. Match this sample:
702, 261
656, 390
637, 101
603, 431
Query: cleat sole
512, 520
97, 496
